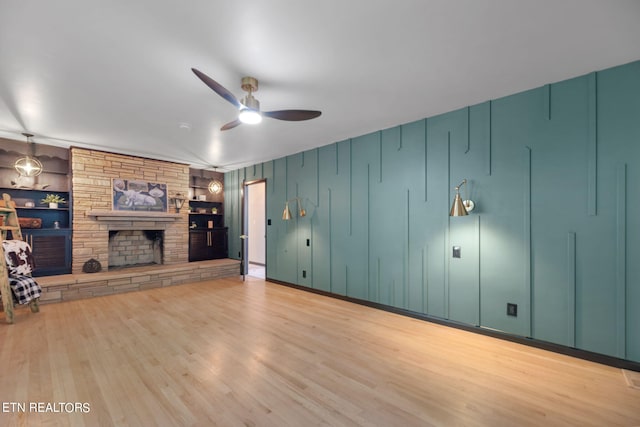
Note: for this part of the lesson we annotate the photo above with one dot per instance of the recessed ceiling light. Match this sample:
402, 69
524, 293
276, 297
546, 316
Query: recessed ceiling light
184, 126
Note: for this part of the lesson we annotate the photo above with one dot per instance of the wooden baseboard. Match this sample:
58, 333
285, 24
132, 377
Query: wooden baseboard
544, 345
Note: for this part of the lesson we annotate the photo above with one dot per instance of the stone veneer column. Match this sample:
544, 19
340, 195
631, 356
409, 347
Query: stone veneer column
92, 172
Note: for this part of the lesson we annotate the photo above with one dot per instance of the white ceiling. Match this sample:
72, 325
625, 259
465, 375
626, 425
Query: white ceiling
115, 75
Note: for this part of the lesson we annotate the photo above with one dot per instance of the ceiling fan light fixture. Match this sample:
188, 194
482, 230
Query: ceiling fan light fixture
249, 116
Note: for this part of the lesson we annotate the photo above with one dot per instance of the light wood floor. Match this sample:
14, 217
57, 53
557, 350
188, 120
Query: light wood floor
230, 353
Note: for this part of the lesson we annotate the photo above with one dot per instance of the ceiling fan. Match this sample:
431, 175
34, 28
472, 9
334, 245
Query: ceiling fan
249, 106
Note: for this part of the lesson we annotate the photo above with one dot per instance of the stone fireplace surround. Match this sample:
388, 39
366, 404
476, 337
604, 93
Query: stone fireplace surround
130, 248
92, 172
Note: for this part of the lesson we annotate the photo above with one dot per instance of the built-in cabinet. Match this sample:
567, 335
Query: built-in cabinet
208, 237
46, 229
208, 244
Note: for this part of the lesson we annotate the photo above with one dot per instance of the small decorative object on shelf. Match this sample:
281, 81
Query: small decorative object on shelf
53, 200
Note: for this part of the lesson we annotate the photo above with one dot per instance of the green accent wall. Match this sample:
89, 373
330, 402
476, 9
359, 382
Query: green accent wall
555, 175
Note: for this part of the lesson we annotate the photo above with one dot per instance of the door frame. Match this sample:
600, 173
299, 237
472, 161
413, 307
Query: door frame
244, 194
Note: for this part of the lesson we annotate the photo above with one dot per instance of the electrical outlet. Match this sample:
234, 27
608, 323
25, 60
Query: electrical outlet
512, 309
304, 274
456, 252
308, 242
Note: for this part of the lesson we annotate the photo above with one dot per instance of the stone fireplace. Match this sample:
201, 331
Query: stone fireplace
131, 248
93, 216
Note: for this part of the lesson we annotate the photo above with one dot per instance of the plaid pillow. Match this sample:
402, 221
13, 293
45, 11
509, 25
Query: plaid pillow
18, 256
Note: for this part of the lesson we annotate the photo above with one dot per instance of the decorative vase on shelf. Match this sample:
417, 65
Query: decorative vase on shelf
53, 206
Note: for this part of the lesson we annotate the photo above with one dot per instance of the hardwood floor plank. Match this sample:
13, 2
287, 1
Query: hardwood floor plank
233, 353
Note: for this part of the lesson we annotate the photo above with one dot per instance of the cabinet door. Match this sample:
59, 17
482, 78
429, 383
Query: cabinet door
51, 252
219, 246
198, 246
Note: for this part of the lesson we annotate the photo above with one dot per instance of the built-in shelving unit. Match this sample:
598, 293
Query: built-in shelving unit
51, 239
208, 237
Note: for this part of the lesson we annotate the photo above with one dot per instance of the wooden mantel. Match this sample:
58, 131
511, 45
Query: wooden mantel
133, 216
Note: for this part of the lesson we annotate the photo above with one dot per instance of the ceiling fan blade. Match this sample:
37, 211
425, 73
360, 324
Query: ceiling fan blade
292, 115
217, 87
231, 125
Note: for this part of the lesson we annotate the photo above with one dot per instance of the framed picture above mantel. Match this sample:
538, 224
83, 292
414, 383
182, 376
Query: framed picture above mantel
136, 195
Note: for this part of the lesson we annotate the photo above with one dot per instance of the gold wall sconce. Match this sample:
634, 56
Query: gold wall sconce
286, 214
461, 207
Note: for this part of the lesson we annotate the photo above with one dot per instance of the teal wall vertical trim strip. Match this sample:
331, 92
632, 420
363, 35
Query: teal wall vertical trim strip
330, 210
489, 136
446, 260
526, 238
311, 259
378, 280
380, 155
346, 279
546, 102
393, 292
477, 233
468, 130
571, 289
317, 204
592, 145
368, 232
479, 271
337, 158
302, 160
400, 138
425, 279
286, 178
426, 175
407, 269
273, 171
350, 187
621, 259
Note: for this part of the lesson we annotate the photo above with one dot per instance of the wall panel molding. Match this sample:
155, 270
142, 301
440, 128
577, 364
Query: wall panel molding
592, 145
546, 102
571, 289
621, 259
526, 238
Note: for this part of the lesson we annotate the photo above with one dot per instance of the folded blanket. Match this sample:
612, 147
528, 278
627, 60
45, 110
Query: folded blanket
24, 288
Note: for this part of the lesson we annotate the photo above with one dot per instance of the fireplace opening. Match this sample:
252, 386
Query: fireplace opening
134, 248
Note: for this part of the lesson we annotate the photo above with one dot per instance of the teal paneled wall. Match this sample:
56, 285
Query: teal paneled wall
556, 228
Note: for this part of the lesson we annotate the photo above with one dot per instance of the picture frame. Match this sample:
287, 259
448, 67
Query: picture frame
138, 195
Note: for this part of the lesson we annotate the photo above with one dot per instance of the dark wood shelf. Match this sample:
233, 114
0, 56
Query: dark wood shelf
43, 208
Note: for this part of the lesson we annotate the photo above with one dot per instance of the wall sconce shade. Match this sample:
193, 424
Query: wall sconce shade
461, 207
178, 201
286, 215
27, 165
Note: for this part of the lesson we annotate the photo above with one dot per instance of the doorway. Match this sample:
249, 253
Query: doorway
255, 229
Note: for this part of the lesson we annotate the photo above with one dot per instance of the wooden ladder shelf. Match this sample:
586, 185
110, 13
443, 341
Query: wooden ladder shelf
11, 224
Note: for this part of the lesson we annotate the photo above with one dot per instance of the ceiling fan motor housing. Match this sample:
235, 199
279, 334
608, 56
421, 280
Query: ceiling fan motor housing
251, 103
249, 84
